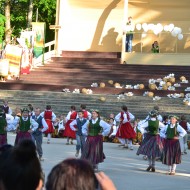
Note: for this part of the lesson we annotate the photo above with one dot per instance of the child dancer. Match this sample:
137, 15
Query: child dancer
25, 127
151, 145
77, 126
49, 117
56, 127
69, 133
86, 114
183, 141
95, 129
3, 126
172, 151
125, 132
61, 125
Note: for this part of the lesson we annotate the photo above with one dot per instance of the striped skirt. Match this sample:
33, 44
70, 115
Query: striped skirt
172, 152
3, 139
93, 150
151, 146
21, 136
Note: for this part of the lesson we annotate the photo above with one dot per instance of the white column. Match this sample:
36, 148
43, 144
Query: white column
57, 23
125, 19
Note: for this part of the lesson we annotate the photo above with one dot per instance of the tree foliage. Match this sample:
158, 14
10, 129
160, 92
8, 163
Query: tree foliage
19, 15
2, 27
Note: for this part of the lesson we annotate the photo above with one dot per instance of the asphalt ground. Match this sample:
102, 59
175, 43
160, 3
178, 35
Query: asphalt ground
123, 166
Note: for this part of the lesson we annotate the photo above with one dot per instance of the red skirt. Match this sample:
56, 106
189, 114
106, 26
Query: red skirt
68, 132
126, 131
50, 127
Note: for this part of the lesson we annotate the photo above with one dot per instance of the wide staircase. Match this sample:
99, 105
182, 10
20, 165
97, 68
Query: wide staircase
61, 102
78, 70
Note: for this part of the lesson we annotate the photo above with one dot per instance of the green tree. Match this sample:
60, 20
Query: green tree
20, 13
2, 27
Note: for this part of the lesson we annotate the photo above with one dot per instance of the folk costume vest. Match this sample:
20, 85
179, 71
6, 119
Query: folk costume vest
24, 125
3, 124
40, 125
183, 124
122, 116
85, 114
94, 129
171, 132
79, 126
153, 127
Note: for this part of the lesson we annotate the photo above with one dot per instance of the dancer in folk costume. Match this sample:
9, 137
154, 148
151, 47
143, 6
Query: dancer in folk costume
172, 151
69, 133
3, 126
37, 135
86, 114
61, 125
183, 141
151, 146
25, 126
125, 132
31, 109
6, 107
77, 126
56, 127
159, 116
49, 117
95, 129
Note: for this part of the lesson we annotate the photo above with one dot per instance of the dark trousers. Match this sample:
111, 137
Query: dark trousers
37, 138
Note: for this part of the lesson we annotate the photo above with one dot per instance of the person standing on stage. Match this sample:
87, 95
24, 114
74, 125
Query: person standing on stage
95, 129
38, 134
125, 132
129, 34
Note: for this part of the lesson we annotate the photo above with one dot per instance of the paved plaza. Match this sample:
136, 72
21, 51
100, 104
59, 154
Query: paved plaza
123, 166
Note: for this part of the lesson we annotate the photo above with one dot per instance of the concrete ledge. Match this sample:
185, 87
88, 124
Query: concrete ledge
176, 59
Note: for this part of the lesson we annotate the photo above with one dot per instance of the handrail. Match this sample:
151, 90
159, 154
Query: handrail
49, 44
159, 35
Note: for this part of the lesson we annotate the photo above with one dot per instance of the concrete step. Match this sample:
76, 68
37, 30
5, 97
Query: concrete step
61, 102
84, 59
91, 54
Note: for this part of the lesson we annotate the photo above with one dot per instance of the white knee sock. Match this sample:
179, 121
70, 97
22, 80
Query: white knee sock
49, 136
173, 167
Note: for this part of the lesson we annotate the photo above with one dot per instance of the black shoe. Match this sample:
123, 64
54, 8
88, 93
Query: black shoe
153, 169
149, 168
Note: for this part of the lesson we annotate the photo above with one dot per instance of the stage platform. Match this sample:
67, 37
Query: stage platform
175, 59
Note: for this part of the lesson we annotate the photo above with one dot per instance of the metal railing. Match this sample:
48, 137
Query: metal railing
142, 42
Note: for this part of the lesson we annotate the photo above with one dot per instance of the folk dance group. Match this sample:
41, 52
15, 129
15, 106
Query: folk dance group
160, 140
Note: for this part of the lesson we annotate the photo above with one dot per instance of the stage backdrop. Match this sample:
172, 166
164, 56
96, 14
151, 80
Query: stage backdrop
97, 25
91, 25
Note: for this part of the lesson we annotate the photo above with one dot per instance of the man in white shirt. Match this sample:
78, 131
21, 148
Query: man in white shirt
37, 135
